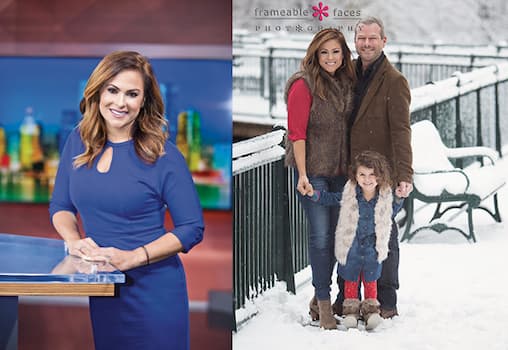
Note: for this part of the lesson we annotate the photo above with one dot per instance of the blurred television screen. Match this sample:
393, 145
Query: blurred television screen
40, 107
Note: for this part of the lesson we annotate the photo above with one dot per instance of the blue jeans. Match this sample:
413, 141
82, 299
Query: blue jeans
322, 221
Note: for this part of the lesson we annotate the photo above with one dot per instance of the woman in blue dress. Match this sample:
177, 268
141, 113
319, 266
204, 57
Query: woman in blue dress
120, 172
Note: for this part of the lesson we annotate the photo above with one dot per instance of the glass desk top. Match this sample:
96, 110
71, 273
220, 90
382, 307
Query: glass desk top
26, 259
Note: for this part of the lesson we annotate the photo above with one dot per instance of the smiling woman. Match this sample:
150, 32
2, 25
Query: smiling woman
120, 102
319, 100
120, 172
330, 56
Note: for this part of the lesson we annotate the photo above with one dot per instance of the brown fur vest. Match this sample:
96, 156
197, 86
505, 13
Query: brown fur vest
326, 151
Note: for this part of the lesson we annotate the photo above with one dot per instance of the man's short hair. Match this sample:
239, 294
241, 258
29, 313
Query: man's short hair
370, 20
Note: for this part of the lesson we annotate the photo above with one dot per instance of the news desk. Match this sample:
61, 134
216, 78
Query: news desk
33, 266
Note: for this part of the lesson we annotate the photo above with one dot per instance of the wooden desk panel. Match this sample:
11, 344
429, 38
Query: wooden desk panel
57, 289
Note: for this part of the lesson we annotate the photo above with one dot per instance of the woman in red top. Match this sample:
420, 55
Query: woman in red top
319, 100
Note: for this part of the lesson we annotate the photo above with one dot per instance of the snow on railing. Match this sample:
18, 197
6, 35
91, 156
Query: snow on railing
263, 68
258, 150
395, 53
295, 47
459, 84
266, 148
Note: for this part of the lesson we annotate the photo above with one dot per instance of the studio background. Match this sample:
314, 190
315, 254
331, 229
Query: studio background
47, 51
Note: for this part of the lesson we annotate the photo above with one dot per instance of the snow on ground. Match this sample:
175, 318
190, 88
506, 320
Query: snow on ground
453, 295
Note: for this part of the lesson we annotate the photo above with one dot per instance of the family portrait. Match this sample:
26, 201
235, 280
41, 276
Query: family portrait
253, 174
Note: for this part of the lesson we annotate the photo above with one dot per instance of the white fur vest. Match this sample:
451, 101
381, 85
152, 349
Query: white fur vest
348, 222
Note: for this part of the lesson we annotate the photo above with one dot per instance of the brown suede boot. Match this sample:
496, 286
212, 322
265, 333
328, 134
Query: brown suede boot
351, 311
326, 319
370, 313
314, 309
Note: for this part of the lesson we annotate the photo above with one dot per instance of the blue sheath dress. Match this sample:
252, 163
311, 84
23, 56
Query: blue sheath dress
124, 208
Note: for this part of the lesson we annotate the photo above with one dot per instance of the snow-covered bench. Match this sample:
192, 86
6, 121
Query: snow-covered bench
437, 180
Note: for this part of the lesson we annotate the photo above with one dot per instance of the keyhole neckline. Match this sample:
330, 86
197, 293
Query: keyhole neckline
119, 144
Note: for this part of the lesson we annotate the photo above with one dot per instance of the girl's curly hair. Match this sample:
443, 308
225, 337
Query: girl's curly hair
376, 161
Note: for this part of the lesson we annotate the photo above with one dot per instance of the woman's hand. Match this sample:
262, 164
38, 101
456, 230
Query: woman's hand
304, 185
72, 264
121, 259
81, 247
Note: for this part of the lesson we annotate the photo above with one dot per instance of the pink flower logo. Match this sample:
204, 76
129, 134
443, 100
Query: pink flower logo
320, 11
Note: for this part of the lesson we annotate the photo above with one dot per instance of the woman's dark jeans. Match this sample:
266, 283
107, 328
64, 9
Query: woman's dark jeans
322, 221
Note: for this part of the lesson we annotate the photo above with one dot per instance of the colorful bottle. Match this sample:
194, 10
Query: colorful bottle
2, 142
4, 157
194, 140
29, 139
181, 135
13, 151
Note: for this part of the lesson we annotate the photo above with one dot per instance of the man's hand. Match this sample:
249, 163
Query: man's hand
404, 189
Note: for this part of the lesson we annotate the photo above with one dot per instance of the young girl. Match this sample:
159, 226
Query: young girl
367, 208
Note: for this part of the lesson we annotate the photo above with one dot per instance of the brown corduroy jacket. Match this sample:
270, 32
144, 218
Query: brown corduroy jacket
382, 123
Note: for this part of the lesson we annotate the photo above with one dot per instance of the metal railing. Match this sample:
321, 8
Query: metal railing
243, 38
263, 70
270, 229
467, 109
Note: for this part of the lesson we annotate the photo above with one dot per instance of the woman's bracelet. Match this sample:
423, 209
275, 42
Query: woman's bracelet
147, 256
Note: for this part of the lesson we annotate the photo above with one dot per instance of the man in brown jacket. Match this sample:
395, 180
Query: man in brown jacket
380, 122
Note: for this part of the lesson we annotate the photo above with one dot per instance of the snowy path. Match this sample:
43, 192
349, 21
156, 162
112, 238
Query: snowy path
453, 295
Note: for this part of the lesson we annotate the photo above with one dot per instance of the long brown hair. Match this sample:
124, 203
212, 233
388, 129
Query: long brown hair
310, 63
377, 162
149, 128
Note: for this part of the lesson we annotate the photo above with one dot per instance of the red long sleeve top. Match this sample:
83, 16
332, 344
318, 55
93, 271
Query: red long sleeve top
298, 105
